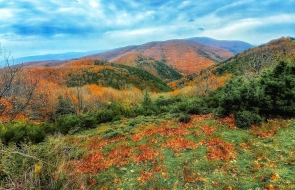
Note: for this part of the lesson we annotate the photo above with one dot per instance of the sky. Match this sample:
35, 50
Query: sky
36, 27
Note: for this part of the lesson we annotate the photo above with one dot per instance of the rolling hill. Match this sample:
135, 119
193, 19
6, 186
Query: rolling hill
84, 72
185, 56
249, 64
254, 61
149, 64
232, 46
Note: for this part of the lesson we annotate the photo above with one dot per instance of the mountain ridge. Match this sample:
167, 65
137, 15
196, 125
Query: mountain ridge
55, 57
172, 52
183, 55
234, 46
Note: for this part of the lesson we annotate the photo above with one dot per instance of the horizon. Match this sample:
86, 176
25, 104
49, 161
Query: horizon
31, 27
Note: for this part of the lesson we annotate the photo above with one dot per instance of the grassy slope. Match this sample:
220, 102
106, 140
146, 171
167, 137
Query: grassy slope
159, 152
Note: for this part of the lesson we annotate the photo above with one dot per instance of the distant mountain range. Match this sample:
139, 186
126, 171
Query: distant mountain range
182, 55
185, 56
232, 46
56, 57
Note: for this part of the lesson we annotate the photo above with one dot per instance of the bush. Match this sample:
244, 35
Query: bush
119, 109
185, 118
174, 109
161, 101
67, 123
104, 116
87, 121
48, 128
18, 132
199, 106
74, 123
244, 119
183, 106
111, 134
35, 133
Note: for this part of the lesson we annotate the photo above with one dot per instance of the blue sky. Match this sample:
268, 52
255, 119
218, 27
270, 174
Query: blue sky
34, 27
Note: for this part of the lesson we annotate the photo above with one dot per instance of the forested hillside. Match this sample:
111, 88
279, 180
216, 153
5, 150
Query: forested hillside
157, 68
184, 56
249, 65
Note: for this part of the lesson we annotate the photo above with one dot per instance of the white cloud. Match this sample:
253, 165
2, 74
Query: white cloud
94, 3
281, 18
134, 33
6, 14
184, 4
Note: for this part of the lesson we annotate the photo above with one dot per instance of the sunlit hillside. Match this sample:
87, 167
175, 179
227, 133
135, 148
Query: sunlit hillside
249, 65
184, 56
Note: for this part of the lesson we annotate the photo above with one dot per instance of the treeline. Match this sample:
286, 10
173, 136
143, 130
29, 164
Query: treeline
67, 122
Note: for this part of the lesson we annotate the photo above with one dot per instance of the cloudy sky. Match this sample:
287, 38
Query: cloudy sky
34, 27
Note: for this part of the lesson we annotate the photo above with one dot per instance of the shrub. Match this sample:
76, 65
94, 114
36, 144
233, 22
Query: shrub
48, 128
104, 116
161, 101
174, 109
18, 132
185, 118
119, 109
244, 119
35, 133
183, 106
128, 128
199, 106
112, 134
87, 121
67, 123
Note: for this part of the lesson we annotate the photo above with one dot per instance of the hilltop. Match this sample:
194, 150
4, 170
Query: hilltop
185, 56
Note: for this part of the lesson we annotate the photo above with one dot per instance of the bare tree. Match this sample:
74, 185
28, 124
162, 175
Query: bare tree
76, 98
267, 56
16, 87
207, 82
